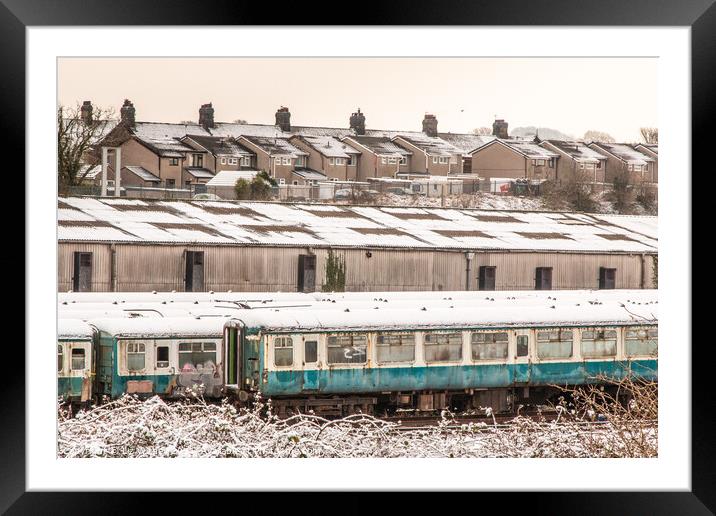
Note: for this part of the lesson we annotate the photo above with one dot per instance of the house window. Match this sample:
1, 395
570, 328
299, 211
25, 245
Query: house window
607, 278
170, 183
538, 162
197, 160
543, 278
444, 160
403, 160
442, 347
78, 359
486, 278
331, 161
435, 159
281, 181
392, 160
286, 161
162, 359
136, 354
246, 161
340, 161
197, 356
489, 346
395, 347
347, 349
233, 161
353, 160
294, 183
551, 162
60, 358
554, 343
173, 162
599, 164
223, 161
283, 351
599, 343
384, 160
641, 342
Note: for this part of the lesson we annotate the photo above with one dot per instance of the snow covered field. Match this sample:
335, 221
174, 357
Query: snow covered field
131, 428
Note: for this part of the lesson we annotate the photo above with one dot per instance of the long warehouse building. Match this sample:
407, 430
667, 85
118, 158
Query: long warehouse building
128, 245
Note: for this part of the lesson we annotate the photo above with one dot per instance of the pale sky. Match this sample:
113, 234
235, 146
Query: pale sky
573, 95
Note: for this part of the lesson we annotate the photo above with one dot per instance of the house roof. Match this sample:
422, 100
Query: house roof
309, 173
199, 172
84, 219
431, 145
229, 177
577, 151
164, 138
466, 142
624, 152
89, 171
219, 146
142, 173
380, 145
329, 146
528, 148
276, 146
653, 147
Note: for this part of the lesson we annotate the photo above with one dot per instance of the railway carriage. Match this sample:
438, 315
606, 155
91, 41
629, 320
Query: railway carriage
74, 360
340, 361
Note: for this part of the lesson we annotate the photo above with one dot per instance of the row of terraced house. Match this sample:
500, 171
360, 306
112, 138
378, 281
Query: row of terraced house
183, 155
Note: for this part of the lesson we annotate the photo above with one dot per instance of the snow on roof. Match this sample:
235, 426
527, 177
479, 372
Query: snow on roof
89, 171
466, 142
625, 153
221, 146
167, 326
380, 145
143, 173
295, 224
431, 145
530, 149
229, 177
329, 146
309, 173
199, 172
276, 146
164, 138
577, 150
70, 329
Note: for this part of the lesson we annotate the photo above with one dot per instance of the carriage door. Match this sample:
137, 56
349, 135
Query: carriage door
311, 363
231, 357
521, 356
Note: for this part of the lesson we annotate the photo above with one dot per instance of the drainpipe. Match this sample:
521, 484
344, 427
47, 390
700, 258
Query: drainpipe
468, 279
113, 267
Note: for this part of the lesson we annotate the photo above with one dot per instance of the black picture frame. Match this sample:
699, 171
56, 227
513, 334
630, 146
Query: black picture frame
700, 15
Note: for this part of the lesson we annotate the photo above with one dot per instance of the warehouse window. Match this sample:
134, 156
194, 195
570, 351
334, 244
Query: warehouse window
78, 359
641, 342
136, 354
489, 346
442, 347
486, 278
554, 343
396, 347
60, 358
283, 351
599, 343
162, 357
347, 349
543, 278
197, 356
607, 278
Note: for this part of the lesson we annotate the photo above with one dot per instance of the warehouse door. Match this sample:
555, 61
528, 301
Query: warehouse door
306, 273
82, 278
486, 279
194, 281
607, 278
543, 278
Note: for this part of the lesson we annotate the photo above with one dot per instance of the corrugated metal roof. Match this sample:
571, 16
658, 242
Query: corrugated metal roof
275, 224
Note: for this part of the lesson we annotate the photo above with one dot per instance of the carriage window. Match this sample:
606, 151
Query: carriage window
162, 357
310, 351
283, 351
554, 344
197, 356
599, 343
59, 358
489, 346
641, 342
396, 347
347, 349
442, 347
135, 356
523, 346
78, 359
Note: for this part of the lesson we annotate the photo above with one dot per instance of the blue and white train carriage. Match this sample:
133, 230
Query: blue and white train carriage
74, 360
498, 356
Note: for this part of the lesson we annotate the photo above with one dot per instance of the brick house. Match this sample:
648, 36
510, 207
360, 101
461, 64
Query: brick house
623, 157
379, 157
509, 158
276, 156
328, 155
576, 157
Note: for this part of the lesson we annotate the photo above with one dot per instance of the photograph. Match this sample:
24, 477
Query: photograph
357, 257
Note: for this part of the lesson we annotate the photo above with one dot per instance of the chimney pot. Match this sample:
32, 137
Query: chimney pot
86, 112
430, 125
283, 119
127, 113
357, 122
206, 116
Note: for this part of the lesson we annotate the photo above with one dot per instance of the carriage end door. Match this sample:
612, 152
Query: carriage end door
311, 362
521, 351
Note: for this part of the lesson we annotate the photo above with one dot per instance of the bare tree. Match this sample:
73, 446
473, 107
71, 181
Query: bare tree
76, 137
482, 131
650, 134
598, 136
572, 191
240, 121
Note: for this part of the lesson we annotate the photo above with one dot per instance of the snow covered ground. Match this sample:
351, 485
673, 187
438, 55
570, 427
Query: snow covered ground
131, 428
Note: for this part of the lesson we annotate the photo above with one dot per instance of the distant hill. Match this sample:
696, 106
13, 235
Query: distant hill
545, 133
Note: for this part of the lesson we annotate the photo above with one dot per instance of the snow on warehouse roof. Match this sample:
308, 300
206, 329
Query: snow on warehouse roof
68, 329
276, 224
229, 177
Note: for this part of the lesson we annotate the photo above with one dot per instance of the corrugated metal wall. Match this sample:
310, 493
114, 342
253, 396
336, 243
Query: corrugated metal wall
162, 268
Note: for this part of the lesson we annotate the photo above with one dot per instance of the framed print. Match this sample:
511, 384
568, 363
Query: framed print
445, 134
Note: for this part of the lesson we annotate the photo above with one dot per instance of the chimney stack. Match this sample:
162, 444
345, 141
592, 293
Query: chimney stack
499, 129
357, 122
283, 119
206, 116
86, 112
127, 113
430, 125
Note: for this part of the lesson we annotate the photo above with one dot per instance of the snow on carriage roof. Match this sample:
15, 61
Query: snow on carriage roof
168, 326
73, 329
277, 224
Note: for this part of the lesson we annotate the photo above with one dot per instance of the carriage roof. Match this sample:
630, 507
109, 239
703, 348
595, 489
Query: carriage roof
211, 326
73, 329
